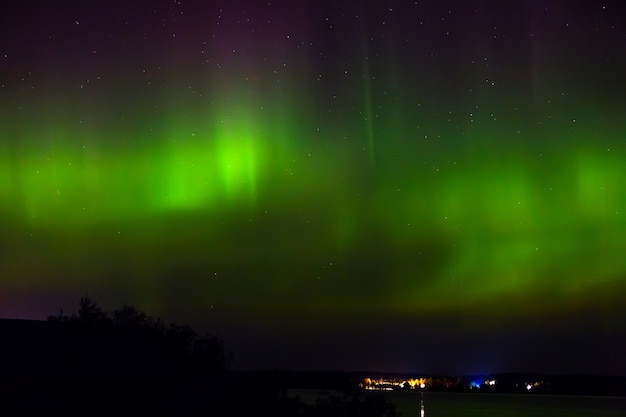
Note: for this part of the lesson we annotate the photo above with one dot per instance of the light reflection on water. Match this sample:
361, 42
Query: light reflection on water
448, 404
445, 404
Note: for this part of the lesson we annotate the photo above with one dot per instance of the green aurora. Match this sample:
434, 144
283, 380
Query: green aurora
418, 232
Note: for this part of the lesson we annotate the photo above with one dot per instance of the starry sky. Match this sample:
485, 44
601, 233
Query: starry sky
429, 186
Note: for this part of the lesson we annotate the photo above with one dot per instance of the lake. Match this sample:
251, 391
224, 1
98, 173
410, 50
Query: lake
447, 404
435, 404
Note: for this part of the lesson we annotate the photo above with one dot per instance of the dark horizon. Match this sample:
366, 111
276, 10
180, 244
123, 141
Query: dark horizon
36, 336
432, 186
529, 345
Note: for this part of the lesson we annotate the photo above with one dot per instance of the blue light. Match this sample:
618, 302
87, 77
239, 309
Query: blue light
476, 384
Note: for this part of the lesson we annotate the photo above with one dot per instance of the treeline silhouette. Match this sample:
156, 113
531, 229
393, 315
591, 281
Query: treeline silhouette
177, 345
127, 363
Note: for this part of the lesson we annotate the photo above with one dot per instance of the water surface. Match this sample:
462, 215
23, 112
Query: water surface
444, 404
447, 404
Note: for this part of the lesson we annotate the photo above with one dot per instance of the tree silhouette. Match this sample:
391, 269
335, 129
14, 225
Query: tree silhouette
181, 336
130, 316
208, 354
199, 354
89, 312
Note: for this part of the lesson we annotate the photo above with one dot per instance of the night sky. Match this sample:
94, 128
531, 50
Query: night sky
415, 186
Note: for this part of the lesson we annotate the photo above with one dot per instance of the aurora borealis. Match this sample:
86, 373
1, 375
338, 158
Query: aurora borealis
306, 176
